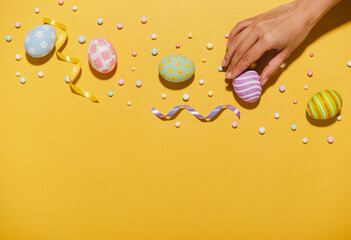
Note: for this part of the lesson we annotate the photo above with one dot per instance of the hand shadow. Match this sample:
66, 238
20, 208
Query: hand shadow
337, 16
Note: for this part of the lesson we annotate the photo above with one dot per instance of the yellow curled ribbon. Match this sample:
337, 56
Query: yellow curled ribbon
76, 69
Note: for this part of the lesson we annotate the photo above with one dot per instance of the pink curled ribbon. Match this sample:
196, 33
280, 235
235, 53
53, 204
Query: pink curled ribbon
195, 113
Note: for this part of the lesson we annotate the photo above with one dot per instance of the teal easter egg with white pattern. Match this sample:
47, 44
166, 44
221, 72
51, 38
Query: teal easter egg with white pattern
40, 41
176, 68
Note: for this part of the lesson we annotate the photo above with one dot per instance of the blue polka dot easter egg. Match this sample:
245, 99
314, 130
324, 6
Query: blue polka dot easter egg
176, 68
40, 41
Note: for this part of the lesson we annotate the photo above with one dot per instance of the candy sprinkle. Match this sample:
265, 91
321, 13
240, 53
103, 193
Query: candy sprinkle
100, 21
138, 83
262, 130
8, 38
282, 88
81, 39
185, 97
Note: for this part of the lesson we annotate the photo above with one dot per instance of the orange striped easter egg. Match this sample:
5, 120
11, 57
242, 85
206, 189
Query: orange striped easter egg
324, 104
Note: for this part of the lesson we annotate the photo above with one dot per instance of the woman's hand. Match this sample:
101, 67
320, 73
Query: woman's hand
283, 29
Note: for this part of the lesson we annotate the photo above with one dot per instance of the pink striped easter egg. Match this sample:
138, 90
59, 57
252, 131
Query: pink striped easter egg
248, 86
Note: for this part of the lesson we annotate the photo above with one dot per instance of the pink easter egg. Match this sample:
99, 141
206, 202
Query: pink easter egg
248, 86
102, 55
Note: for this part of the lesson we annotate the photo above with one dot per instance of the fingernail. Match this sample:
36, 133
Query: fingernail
224, 63
229, 75
227, 43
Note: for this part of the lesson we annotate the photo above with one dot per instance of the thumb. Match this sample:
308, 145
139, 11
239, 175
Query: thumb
273, 66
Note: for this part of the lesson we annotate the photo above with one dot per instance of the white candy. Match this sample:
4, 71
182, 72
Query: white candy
153, 36
164, 96
18, 74
305, 87
40, 74
209, 46
262, 130
201, 82
177, 124
37, 10
283, 65
185, 97
23, 80
349, 63
210, 93
276, 115
129, 103
18, 57
74, 8
305, 140
339, 118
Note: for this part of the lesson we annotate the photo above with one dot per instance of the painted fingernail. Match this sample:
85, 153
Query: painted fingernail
228, 75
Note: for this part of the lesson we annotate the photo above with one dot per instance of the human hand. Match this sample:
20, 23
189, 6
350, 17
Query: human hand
283, 29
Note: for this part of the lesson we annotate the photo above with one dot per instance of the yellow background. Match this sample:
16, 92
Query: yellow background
73, 169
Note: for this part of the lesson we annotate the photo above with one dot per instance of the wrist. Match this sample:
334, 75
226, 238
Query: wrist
313, 10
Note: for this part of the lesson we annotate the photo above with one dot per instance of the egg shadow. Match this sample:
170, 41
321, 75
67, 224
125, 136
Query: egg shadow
201, 120
176, 85
103, 76
321, 123
336, 17
41, 60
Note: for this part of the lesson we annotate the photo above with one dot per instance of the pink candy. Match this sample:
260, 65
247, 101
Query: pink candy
138, 83
143, 19
282, 88
177, 45
311, 54
295, 101
17, 24
310, 73
134, 53
60, 2
330, 139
